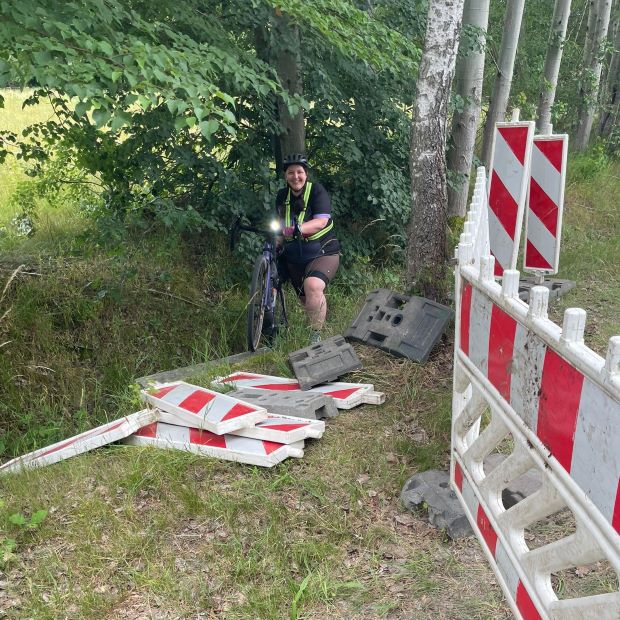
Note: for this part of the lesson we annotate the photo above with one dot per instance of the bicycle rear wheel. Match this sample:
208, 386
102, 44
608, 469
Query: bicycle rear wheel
256, 309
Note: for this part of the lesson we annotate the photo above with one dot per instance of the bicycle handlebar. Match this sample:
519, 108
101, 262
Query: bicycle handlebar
238, 226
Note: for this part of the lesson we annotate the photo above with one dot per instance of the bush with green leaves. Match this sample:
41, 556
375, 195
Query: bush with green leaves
168, 110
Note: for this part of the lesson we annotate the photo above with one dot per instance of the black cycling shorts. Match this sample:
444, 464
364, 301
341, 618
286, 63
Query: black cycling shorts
323, 267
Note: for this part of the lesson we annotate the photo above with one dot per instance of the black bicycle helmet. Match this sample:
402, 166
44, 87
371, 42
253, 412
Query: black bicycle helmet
296, 159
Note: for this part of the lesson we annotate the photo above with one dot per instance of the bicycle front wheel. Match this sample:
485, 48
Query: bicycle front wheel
256, 308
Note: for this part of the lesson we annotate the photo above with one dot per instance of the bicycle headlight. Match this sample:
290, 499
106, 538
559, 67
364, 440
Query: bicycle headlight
275, 225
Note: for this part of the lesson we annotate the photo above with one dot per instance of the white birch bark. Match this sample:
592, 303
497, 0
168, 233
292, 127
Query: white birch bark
553, 59
503, 79
426, 230
598, 23
468, 84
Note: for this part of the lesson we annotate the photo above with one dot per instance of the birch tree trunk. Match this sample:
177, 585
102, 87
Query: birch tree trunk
609, 116
503, 79
293, 136
598, 23
426, 230
553, 59
468, 85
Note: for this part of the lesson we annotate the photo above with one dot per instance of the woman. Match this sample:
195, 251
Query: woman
310, 250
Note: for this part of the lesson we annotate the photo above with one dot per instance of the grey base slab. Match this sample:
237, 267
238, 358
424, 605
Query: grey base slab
556, 287
182, 373
432, 489
401, 325
298, 404
323, 362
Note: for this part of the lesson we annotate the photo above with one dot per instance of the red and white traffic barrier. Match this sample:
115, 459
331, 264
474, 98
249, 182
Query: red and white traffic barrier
507, 190
543, 216
89, 440
345, 395
559, 403
283, 429
205, 443
190, 405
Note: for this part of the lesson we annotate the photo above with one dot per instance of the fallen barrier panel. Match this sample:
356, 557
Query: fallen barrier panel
84, 442
345, 395
206, 443
190, 405
554, 405
545, 203
510, 171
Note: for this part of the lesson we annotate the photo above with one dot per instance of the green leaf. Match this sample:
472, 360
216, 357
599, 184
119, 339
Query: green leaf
37, 518
208, 128
106, 48
17, 519
101, 116
120, 119
180, 123
82, 107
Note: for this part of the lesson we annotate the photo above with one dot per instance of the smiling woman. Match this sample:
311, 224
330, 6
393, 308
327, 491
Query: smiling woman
310, 251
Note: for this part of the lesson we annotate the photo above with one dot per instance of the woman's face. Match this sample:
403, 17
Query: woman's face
296, 176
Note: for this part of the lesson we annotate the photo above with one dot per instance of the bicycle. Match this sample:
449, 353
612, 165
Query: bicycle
267, 305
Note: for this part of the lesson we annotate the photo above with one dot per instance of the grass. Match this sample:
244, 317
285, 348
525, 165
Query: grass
134, 532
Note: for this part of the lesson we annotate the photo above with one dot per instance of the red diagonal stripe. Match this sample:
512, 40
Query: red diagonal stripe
558, 405
503, 205
516, 139
238, 377
465, 316
342, 393
501, 344
525, 604
615, 519
486, 529
238, 410
150, 430
552, 150
271, 446
196, 401
458, 477
498, 270
206, 438
163, 391
545, 209
282, 427
534, 258
283, 387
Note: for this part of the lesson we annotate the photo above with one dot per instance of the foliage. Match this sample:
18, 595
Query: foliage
169, 107
20, 524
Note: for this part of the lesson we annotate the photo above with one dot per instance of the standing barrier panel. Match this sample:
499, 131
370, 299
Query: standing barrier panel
510, 171
558, 403
543, 216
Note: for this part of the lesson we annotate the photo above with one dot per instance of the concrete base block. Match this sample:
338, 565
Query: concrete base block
432, 488
311, 406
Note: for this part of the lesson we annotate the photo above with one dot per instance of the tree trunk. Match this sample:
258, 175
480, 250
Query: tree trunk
293, 135
503, 79
553, 60
609, 115
598, 23
468, 85
426, 231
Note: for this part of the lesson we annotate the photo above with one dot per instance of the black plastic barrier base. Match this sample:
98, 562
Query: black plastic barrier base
323, 362
405, 326
556, 287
